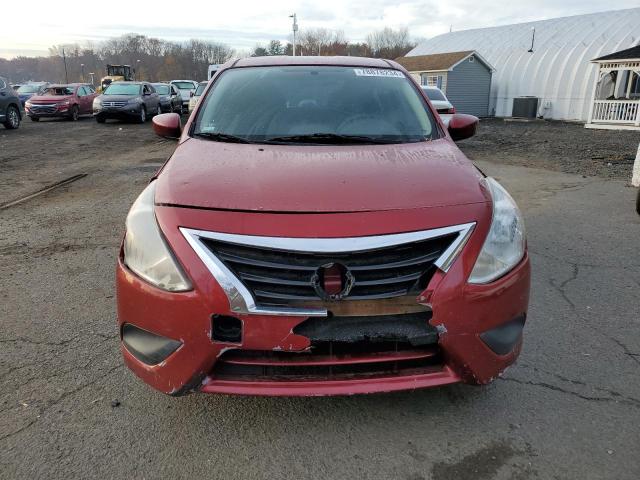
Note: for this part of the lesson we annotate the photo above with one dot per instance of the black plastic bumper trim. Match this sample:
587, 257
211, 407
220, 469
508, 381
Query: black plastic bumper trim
147, 347
504, 338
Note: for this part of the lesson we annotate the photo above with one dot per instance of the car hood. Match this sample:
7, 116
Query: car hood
275, 178
50, 98
117, 98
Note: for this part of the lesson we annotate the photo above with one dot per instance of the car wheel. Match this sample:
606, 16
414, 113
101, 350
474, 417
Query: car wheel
100, 119
75, 113
143, 115
13, 118
158, 110
35, 119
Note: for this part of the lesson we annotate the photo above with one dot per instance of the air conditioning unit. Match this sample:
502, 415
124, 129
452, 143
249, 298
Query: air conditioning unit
525, 107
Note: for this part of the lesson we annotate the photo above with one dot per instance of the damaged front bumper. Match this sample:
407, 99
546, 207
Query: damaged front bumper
451, 332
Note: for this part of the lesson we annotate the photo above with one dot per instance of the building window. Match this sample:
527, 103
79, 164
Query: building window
431, 80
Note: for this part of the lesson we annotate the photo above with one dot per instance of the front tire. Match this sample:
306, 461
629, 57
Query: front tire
75, 113
13, 118
143, 115
158, 110
100, 119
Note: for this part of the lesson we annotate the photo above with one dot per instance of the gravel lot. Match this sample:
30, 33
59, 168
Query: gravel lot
570, 408
558, 146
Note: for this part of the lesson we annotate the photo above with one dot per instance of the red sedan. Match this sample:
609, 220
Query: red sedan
318, 232
66, 101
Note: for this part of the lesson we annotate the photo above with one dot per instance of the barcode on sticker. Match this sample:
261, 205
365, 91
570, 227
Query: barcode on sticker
377, 72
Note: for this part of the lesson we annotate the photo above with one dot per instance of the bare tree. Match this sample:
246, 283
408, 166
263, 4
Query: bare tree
390, 43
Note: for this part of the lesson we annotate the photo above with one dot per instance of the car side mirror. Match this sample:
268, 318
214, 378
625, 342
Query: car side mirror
167, 125
462, 126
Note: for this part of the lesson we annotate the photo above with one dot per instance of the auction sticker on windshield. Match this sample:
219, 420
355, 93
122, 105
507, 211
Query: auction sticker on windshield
377, 72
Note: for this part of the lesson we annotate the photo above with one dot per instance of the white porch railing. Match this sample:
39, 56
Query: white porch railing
616, 112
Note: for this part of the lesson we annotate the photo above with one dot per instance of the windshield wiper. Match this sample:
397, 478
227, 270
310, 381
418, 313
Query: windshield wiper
330, 138
221, 137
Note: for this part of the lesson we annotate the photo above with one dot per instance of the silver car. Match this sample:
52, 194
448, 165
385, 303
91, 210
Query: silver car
186, 88
441, 103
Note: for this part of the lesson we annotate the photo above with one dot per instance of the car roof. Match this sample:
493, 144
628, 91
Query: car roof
331, 61
130, 82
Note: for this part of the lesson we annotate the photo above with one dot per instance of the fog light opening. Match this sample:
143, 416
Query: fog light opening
503, 339
226, 329
147, 347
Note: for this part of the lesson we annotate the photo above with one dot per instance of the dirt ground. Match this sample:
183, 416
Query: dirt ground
558, 146
569, 408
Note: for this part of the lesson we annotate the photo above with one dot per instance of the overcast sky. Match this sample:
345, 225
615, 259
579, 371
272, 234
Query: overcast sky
244, 23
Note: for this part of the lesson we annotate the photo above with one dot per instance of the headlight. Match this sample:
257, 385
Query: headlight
505, 242
145, 250
134, 100
28, 103
97, 102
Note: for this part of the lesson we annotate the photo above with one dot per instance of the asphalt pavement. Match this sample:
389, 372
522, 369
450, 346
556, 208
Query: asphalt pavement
569, 409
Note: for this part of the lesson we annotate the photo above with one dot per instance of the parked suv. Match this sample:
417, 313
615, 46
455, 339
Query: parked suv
334, 240
127, 101
10, 115
28, 90
68, 101
170, 99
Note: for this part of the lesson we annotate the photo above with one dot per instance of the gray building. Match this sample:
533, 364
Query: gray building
464, 77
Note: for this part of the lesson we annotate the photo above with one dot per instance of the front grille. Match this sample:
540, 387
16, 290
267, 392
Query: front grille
44, 108
116, 104
331, 361
278, 277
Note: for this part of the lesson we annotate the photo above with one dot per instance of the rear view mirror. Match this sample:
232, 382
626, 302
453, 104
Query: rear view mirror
167, 125
462, 126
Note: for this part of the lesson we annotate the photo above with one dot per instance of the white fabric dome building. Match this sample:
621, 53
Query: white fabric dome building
558, 71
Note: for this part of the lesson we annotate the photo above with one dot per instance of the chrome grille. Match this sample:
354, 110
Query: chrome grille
115, 104
277, 277
44, 108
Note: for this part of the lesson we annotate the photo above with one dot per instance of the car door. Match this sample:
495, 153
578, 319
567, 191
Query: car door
176, 99
4, 97
90, 95
81, 97
146, 99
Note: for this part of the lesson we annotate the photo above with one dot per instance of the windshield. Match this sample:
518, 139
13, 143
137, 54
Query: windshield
184, 85
29, 89
434, 94
328, 103
58, 91
200, 89
122, 89
115, 71
161, 89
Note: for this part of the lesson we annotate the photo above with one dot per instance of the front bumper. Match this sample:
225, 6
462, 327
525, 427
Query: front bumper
60, 111
123, 113
460, 312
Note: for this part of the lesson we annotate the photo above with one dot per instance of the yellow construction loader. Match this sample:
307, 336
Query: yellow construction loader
116, 73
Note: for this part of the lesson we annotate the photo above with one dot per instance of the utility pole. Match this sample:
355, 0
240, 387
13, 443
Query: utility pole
66, 75
82, 68
295, 30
